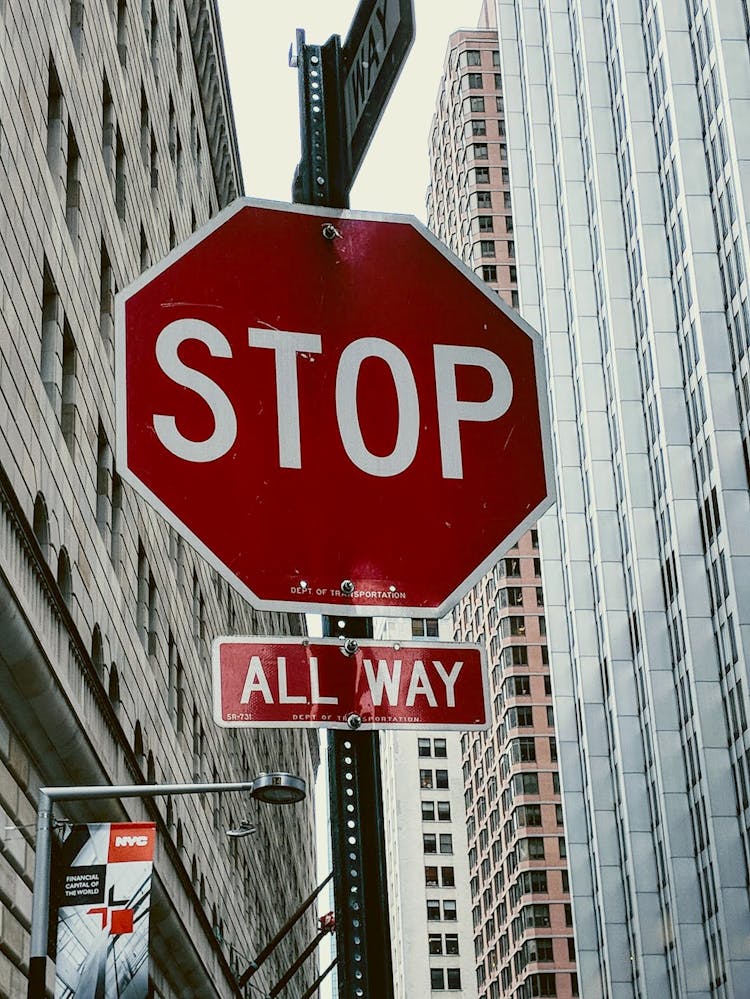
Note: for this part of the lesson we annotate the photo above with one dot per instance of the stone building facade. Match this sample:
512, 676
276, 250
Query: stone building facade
116, 142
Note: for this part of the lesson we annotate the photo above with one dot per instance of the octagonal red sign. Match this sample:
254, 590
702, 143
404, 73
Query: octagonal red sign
332, 409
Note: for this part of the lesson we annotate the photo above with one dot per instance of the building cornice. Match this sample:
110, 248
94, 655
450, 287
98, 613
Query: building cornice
213, 84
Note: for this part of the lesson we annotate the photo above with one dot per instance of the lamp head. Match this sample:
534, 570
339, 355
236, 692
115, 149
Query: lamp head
279, 788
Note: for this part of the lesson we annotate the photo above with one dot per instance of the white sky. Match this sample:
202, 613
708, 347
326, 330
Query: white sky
257, 36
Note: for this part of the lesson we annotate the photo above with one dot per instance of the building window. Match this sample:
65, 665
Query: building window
523, 750
476, 104
108, 129
423, 628
103, 482
97, 652
154, 41
441, 778
176, 696
122, 31
440, 748
446, 843
454, 978
431, 877
141, 613
106, 296
435, 943
425, 779
424, 747
481, 175
513, 626
113, 686
428, 811
473, 57
451, 943
485, 223
72, 184
478, 126
54, 121
429, 843
531, 848
433, 909
41, 525
535, 915
117, 511
538, 949
526, 783
444, 811
449, 909
172, 130
473, 81
541, 985
489, 272
448, 877
119, 175
68, 393
480, 151
487, 248
145, 252
76, 24
437, 979
528, 815
65, 577
51, 332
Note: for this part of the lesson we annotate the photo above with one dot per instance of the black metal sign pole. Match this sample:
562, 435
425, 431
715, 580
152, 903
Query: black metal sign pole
363, 942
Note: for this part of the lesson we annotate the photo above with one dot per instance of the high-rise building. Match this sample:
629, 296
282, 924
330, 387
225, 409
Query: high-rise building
116, 142
468, 200
426, 850
521, 909
628, 159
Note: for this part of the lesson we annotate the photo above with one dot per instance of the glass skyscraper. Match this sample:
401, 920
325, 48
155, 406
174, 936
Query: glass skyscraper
628, 160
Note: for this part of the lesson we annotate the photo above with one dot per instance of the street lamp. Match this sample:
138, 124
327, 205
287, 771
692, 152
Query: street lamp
279, 789
274, 788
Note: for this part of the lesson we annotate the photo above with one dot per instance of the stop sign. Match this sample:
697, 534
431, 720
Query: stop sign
332, 409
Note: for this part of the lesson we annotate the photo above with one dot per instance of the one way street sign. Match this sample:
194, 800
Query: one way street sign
373, 53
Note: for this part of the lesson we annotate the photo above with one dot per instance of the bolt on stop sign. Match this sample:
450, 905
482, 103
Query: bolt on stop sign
332, 409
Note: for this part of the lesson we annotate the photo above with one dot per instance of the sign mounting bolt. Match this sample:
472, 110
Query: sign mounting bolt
350, 647
330, 231
347, 587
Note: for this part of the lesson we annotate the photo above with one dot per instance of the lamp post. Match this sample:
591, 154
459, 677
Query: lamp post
273, 788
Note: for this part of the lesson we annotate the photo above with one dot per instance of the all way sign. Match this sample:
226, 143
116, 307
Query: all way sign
294, 682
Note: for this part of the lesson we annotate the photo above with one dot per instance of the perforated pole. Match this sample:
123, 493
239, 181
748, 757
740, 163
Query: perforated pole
363, 942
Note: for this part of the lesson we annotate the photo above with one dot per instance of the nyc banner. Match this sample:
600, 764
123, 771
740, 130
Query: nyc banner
103, 915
